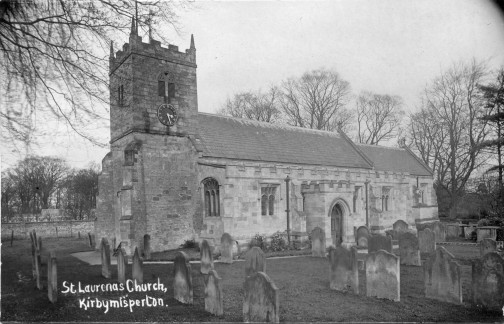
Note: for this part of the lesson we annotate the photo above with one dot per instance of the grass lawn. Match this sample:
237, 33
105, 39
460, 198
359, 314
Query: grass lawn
303, 283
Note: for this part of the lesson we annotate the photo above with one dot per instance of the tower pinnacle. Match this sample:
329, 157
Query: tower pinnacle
192, 43
133, 27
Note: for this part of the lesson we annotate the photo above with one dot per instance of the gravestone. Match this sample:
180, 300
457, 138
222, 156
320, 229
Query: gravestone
400, 226
52, 278
91, 239
344, 269
182, 279
318, 242
442, 277
105, 259
121, 266
255, 261
409, 250
38, 271
439, 230
213, 294
378, 242
452, 230
206, 258
488, 282
487, 245
226, 248
147, 247
383, 275
426, 241
362, 236
261, 300
137, 271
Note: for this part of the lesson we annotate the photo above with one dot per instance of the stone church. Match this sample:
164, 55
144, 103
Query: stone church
177, 174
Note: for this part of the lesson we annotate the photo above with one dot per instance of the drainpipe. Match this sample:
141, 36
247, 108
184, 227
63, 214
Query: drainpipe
287, 181
367, 204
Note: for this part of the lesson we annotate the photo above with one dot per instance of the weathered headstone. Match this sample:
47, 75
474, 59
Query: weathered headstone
182, 279
38, 271
439, 230
443, 277
344, 269
383, 275
52, 278
147, 247
452, 230
400, 226
362, 236
426, 241
488, 282
378, 242
226, 248
260, 302
487, 245
206, 257
213, 294
105, 258
318, 242
137, 271
409, 249
255, 261
121, 266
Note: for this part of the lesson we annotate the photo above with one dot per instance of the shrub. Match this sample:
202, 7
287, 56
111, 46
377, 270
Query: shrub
259, 241
278, 242
190, 244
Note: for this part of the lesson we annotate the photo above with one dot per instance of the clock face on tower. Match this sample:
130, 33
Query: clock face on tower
167, 114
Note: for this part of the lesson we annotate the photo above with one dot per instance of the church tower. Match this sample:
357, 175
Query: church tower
148, 184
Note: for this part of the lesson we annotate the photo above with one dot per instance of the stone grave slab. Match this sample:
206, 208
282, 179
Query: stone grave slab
487, 245
383, 275
426, 241
439, 230
400, 226
409, 250
442, 277
378, 242
488, 282
182, 279
105, 258
206, 258
362, 236
261, 300
226, 248
255, 261
137, 271
344, 269
213, 294
121, 266
318, 242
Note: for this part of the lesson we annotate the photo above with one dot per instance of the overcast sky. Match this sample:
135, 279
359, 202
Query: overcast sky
385, 46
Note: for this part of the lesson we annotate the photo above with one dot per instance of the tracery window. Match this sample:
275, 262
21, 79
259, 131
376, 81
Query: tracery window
268, 199
212, 197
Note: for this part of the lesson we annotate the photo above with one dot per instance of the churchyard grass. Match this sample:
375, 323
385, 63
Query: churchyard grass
303, 283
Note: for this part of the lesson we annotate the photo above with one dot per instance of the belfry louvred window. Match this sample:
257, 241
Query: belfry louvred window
212, 197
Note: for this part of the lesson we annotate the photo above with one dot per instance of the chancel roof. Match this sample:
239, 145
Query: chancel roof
243, 139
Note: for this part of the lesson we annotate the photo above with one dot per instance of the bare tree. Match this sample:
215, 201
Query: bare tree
254, 105
54, 59
378, 117
447, 131
317, 100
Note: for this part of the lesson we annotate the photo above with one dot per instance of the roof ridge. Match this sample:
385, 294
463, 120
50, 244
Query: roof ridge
273, 125
381, 146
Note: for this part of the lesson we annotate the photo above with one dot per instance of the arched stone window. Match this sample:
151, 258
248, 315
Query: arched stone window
212, 197
166, 87
268, 199
271, 204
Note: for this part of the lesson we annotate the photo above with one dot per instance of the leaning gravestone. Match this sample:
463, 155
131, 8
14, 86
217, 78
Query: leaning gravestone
121, 266
488, 282
137, 271
442, 277
378, 242
439, 230
344, 269
213, 294
487, 245
38, 271
105, 258
52, 278
226, 248
427, 241
147, 247
383, 275
409, 249
400, 226
318, 242
182, 279
206, 258
255, 261
362, 236
260, 302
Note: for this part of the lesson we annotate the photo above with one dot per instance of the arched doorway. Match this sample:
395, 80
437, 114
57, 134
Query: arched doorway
337, 224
